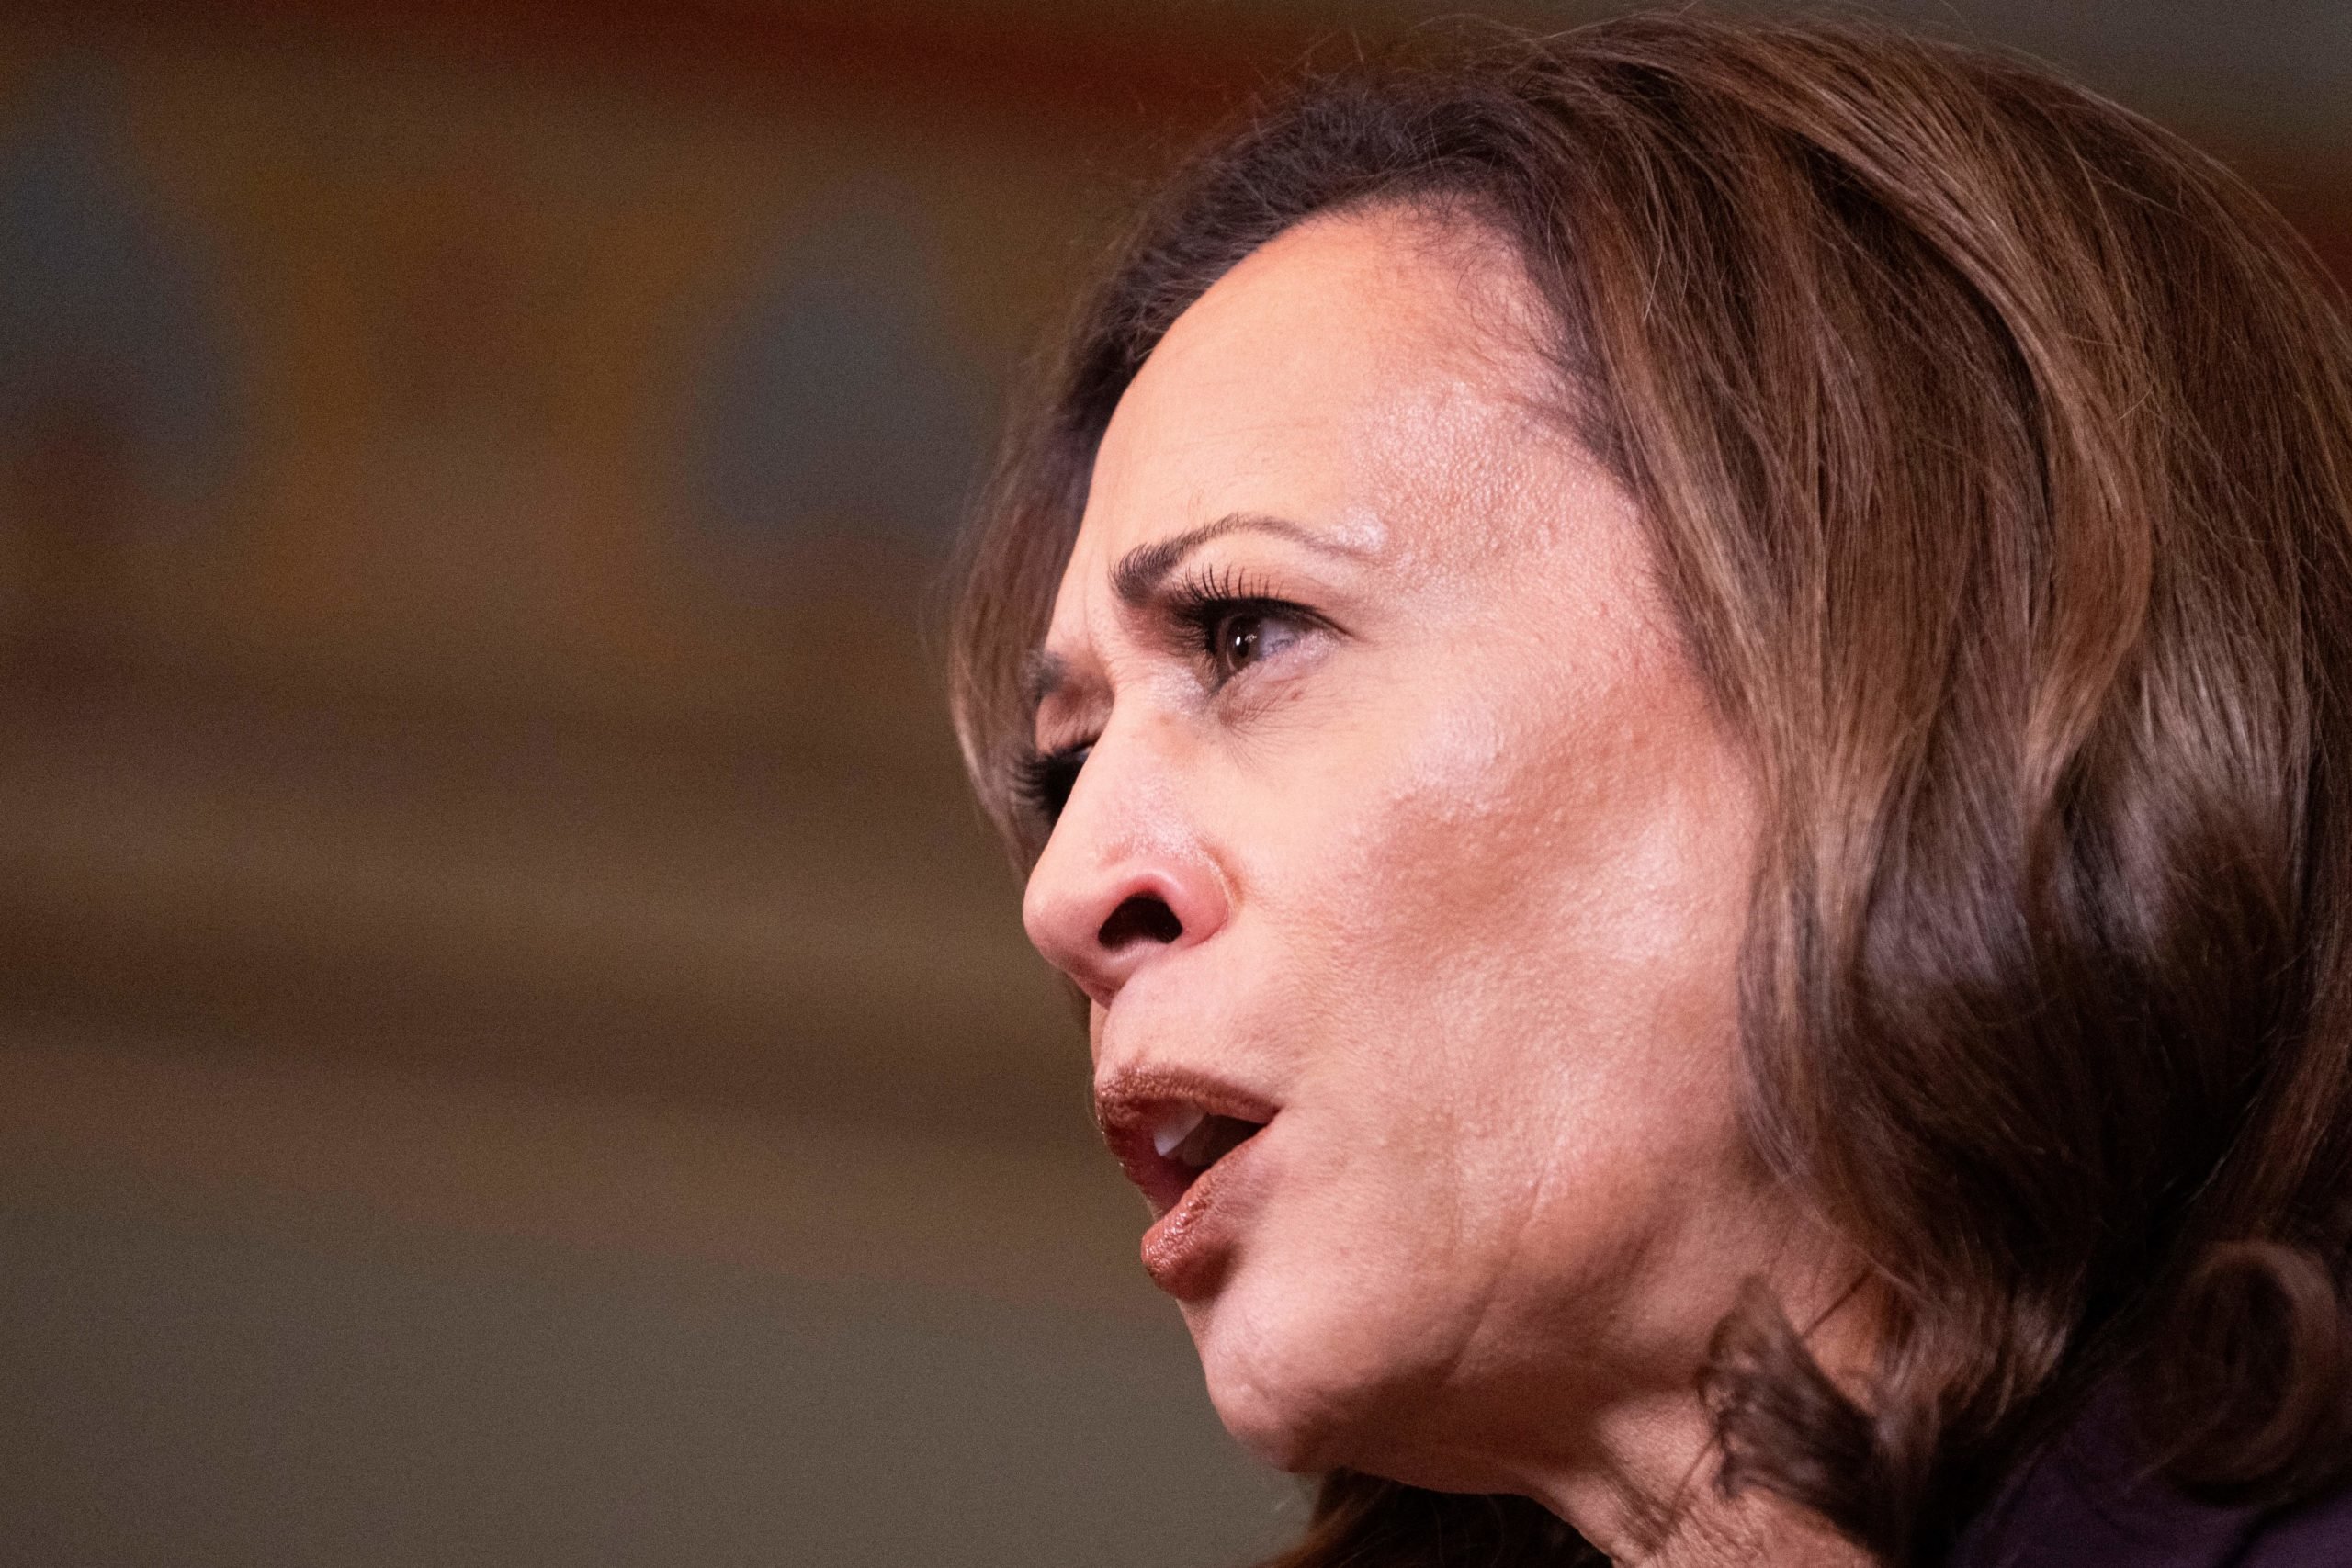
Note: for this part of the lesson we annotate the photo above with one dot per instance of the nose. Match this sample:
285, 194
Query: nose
1124, 881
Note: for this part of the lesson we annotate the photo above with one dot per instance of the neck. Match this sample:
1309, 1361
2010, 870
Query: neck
1607, 1430
1655, 1502
1646, 1488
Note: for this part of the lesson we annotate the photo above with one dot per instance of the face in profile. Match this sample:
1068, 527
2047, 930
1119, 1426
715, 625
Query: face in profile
1404, 867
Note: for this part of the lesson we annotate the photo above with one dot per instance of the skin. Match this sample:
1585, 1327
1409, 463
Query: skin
1459, 856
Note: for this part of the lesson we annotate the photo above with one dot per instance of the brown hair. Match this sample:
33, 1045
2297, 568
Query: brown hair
1996, 450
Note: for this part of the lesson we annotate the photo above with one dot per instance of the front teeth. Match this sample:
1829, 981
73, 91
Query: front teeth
1174, 1125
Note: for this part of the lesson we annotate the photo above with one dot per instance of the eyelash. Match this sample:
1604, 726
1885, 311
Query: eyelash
1202, 603
1042, 780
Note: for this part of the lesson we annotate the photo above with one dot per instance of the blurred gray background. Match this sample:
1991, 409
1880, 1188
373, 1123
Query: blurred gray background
513, 1048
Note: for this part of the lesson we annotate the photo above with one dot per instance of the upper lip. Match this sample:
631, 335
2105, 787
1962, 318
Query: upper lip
1128, 1104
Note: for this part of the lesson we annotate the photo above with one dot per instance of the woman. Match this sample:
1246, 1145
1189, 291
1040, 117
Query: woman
1678, 696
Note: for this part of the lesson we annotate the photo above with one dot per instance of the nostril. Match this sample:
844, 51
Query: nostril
1144, 917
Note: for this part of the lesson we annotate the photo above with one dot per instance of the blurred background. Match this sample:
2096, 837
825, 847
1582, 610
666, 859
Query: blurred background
514, 1046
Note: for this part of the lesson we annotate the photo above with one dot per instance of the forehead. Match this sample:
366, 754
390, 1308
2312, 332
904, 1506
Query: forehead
1361, 374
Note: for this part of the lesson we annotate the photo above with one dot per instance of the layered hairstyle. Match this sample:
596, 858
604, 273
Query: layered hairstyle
1994, 448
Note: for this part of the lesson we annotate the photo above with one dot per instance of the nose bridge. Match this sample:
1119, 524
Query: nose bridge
1125, 877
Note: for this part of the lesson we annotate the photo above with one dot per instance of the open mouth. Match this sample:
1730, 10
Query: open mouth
1197, 1139
1172, 1144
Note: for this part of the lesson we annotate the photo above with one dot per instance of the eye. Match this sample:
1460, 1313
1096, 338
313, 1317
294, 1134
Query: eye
1232, 628
1042, 780
1243, 633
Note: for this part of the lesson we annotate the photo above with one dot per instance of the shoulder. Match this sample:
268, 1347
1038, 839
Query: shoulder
2090, 1500
2317, 1534
2074, 1509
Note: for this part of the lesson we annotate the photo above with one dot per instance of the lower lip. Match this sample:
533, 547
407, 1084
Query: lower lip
1185, 1248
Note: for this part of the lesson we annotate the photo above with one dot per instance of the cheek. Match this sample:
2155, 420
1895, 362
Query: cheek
1490, 862
1536, 927
1502, 957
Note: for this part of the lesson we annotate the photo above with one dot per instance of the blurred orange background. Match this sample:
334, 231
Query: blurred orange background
514, 1046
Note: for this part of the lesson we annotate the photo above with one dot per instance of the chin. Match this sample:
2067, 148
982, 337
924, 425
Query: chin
1273, 1424
1305, 1425
1284, 1385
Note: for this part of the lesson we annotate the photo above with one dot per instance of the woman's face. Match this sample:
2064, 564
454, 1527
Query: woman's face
1406, 838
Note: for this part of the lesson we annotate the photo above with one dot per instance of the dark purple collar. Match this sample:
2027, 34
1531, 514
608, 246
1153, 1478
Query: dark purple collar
2089, 1504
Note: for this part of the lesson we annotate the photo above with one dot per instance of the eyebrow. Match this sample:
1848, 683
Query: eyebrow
1142, 569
